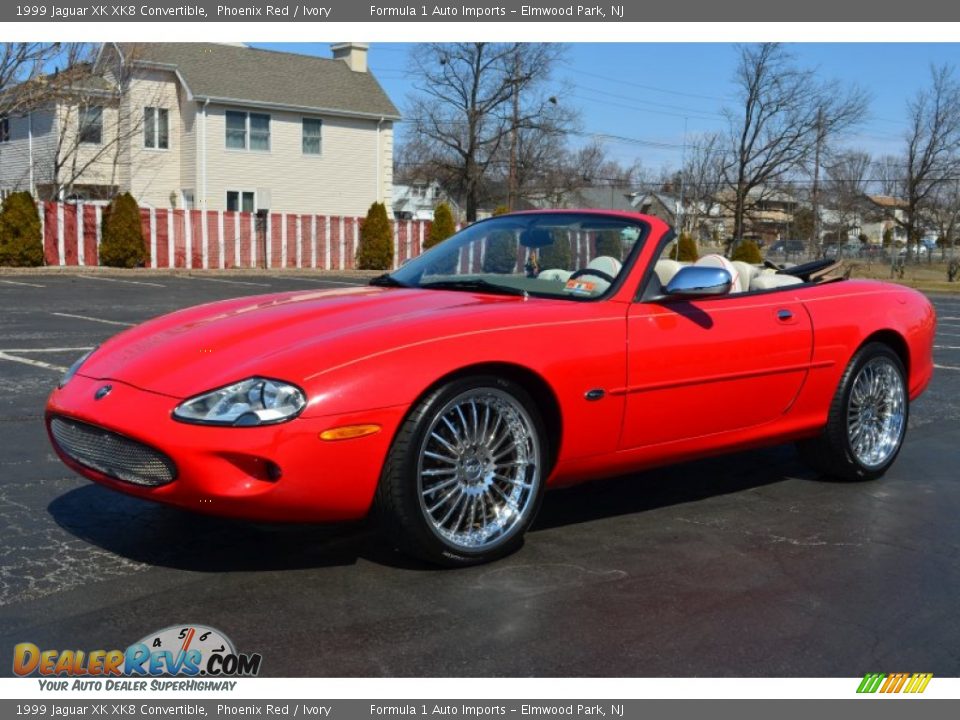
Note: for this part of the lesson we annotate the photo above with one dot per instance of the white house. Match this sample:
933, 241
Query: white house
213, 126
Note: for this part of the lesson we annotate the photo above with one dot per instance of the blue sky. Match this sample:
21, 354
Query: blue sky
647, 91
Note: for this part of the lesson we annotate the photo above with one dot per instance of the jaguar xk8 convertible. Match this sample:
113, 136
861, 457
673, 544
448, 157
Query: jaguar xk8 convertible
528, 351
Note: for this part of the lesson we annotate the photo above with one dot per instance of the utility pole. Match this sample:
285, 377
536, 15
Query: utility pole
683, 176
815, 190
512, 175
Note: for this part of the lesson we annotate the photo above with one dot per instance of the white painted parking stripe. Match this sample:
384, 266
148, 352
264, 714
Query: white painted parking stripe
93, 319
35, 363
25, 284
117, 280
229, 282
945, 367
47, 350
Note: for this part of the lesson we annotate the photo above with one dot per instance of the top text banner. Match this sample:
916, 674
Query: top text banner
482, 11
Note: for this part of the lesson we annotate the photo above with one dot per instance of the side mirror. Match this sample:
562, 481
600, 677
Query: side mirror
695, 281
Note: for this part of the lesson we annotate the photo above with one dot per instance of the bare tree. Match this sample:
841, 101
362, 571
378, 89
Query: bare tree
702, 177
932, 157
846, 184
944, 212
99, 122
477, 99
888, 174
22, 64
784, 115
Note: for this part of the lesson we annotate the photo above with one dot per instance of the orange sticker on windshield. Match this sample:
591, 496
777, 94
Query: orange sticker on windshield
580, 287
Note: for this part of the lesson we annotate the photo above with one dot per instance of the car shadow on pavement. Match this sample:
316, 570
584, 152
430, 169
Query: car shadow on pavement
670, 485
168, 537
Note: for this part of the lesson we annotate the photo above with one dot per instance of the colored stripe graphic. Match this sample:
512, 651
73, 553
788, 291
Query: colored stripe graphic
894, 683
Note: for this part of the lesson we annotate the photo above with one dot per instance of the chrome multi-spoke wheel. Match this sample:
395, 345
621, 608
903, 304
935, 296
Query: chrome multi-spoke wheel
466, 472
479, 468
867, 419
875, 414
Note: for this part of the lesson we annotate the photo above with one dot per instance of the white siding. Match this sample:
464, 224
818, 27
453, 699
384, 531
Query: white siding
151, 175
15, 155
342, 180
188, 141
83, 163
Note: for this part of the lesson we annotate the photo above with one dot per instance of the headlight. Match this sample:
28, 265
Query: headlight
257, 401
72, 370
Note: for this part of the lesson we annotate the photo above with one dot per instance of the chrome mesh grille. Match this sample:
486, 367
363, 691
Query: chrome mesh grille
112, 454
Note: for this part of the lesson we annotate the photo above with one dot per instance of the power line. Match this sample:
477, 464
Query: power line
621, 81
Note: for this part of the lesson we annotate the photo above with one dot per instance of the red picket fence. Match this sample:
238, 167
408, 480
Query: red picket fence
201, 239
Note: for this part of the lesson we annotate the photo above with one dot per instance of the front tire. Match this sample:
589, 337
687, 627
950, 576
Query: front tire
465, 475
867, 419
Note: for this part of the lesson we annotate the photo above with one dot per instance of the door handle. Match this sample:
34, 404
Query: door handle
783, 314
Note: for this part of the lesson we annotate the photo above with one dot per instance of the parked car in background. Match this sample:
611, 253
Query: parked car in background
787, 247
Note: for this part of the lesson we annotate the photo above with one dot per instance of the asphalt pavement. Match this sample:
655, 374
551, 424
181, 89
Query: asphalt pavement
745, 565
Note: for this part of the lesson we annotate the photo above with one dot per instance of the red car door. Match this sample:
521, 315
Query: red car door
696, 368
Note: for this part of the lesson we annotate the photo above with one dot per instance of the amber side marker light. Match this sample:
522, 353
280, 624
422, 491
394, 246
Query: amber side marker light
348, 432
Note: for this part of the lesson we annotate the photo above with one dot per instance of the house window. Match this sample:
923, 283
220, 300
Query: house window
4, 129
248, 131
312, 130
156, 128
236, 130
91, 125
242, 200
259, 131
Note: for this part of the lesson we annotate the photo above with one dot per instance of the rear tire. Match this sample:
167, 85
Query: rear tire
465, 475
867, 420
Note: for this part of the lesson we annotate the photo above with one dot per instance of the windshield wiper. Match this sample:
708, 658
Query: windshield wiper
387, 280
474, 284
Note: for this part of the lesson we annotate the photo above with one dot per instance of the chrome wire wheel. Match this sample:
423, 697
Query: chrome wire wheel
479, 469
876, 412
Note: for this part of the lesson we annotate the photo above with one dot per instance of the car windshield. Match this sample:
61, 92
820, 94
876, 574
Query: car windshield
575, 256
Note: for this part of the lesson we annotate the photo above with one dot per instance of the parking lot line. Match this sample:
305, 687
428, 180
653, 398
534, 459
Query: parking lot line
35, 363
93, 319
945, 367
228, 282
47, 350
117, 280
25, 284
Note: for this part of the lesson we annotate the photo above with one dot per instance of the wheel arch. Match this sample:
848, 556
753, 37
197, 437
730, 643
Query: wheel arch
895, 341
533, 382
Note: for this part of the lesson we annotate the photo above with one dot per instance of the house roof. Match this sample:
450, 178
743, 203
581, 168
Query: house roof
243, 74
887, 201
607, 197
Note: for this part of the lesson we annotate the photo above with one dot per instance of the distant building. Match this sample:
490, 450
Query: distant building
419, 199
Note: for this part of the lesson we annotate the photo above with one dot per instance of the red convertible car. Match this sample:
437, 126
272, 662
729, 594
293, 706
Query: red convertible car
528, 351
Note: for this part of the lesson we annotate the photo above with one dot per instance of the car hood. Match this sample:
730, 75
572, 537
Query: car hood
288, 336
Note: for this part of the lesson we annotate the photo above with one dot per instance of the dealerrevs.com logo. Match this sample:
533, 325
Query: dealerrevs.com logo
179, 650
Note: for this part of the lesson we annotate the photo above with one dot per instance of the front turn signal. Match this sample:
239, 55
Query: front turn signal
349, 432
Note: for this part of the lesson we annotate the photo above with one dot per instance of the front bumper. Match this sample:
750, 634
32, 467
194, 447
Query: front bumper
232, 471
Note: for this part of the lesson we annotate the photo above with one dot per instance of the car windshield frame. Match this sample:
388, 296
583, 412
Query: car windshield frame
412, 272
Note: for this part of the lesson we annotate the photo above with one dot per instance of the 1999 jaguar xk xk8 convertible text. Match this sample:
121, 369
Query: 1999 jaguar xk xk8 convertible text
528, 351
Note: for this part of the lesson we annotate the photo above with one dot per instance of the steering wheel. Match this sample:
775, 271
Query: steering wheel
772, 265
596, 273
